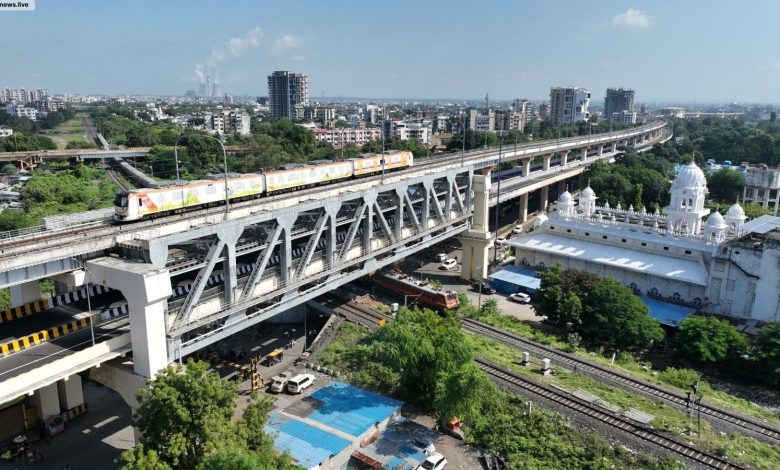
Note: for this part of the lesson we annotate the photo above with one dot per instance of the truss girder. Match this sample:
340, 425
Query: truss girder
312, 244
353, 230
257, 271
383, 222
193, 296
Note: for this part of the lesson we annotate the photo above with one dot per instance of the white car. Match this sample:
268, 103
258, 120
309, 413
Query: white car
299, 383
448, 264
441, 257
501, 241
519, 297
435, 461
518, 229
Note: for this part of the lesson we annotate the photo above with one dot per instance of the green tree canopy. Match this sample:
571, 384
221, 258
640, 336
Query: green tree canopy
185, 419
613, 313
725, 184
767, 350
708, 339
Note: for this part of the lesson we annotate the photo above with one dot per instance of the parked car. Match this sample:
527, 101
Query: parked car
440, 257
435, 461
279, 382
521, 298
501, 241
448, 264
517, 229
300, 383
425, 444
486, 289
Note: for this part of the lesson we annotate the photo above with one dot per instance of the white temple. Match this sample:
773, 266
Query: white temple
685, 254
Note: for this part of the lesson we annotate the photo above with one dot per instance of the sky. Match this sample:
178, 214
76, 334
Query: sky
666, 50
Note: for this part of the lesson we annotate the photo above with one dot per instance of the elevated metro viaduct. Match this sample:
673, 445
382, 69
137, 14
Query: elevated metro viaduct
268, 255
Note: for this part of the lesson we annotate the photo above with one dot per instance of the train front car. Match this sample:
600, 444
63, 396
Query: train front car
122, 210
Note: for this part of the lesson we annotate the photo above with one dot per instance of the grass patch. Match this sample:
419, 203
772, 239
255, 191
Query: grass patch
71, 130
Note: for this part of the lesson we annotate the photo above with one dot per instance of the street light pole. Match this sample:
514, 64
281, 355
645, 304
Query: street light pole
498, 197
176, 155
224, 163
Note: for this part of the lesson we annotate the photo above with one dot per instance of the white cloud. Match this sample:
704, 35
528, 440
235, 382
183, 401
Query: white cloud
631, 19
285, 42
238, 45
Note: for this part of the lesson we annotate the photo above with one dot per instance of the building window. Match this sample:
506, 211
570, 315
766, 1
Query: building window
552, 228
623, 240
644, 244
587, 234
604, 237
687, 252
568, 230
666, 248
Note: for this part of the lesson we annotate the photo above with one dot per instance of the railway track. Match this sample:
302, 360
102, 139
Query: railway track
593, 412
753, 427
116, 180
364, 316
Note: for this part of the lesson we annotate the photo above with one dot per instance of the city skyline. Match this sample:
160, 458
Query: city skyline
666, 52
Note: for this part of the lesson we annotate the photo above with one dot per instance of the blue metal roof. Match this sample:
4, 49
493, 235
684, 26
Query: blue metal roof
517, 276
667, 313
306, 444
350, 409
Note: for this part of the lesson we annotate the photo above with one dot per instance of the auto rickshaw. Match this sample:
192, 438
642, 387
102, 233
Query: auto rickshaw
275, 357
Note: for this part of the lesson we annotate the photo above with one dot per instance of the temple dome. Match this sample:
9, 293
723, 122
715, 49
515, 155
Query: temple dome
690, 176
588, 193
715, 220
565, 197
736, 212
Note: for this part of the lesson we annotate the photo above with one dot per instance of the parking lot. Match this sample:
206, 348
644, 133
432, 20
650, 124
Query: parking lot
426, 266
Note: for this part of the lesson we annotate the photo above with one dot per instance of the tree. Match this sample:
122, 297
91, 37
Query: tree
185, 419
725, 184
612, 313
767, 350
556, 298
708, 339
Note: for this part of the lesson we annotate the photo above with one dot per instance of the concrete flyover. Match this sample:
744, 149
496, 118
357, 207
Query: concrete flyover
269, 255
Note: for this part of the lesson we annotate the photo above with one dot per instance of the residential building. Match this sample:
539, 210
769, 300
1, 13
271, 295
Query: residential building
544, 111
479, 121
617, 103
286, 92
405, 130
374, 114
569, 104
228, 122
319, 114
626, 117
510, 120
762, 186
22, 111
672, 112
720, 264
6, 132
357, 136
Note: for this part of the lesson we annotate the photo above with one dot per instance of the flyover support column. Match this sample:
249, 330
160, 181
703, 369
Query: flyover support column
146, 288
526, 166
477, 239
543, 195
523, 207
25, 293
614, 147
68, 281
564, 157
47, 400
546, 161
561, 187
70, 392
584, 154
601, 149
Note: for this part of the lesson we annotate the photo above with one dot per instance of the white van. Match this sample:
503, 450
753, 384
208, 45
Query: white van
448, 264
300, 383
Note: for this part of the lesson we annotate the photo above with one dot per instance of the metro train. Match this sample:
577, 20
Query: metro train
144, 203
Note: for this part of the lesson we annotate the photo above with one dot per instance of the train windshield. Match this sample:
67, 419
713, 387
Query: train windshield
120, 200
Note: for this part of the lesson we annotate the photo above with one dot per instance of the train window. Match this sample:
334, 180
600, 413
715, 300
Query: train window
140, 202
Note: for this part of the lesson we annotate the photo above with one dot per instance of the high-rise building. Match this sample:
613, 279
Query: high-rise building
286, 90
618, 102
569, 104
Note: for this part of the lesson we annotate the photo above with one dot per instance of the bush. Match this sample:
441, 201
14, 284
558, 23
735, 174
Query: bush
681, 378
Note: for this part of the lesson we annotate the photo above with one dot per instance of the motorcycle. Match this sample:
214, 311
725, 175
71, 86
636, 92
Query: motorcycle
15, 449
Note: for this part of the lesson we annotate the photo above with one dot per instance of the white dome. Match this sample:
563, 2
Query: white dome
588, 193
565, 197
715, 220
690, 176
539, 220
735, 212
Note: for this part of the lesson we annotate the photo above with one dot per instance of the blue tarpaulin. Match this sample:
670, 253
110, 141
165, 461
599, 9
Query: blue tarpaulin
514, 279
667, 313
